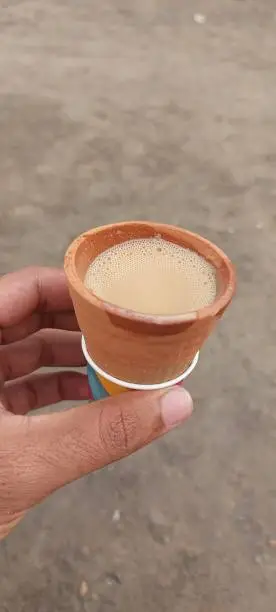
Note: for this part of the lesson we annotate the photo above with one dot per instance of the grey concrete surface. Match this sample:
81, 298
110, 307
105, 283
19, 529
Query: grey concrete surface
112, 110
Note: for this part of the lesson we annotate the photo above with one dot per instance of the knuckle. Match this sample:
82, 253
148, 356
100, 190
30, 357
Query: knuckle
118, 432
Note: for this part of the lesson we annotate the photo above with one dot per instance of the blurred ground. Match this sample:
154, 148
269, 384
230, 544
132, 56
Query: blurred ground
112, 110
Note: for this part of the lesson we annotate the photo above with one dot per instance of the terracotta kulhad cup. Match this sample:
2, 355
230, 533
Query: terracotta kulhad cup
134, 347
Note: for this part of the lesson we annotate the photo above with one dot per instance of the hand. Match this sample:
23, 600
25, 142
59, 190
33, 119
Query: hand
41, 453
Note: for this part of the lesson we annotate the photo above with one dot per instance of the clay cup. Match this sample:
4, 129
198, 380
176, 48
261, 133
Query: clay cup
130, 346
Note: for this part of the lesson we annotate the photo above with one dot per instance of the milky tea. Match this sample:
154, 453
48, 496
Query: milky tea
152, 276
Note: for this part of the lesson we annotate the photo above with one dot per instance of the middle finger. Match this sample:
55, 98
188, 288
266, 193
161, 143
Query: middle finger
46, 348
35, 322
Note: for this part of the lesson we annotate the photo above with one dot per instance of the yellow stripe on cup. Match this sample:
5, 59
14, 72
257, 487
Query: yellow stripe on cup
110, 387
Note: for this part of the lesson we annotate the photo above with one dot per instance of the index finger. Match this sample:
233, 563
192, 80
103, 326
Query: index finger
32, 290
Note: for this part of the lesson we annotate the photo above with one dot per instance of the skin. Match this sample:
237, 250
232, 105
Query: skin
41, 453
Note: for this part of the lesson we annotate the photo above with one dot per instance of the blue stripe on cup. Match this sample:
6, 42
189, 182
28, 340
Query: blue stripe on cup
97, 389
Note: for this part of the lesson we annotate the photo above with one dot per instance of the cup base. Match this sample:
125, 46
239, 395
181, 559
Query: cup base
103, 384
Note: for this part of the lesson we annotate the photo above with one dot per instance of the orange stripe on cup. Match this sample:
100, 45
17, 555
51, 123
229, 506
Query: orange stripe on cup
110, 387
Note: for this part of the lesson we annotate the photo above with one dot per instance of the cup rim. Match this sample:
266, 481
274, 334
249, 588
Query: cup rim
218, 306
138, 387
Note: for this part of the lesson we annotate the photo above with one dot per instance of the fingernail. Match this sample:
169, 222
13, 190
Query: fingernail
176, 407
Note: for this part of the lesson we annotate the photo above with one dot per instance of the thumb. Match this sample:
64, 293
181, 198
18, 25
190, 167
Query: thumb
67, 445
